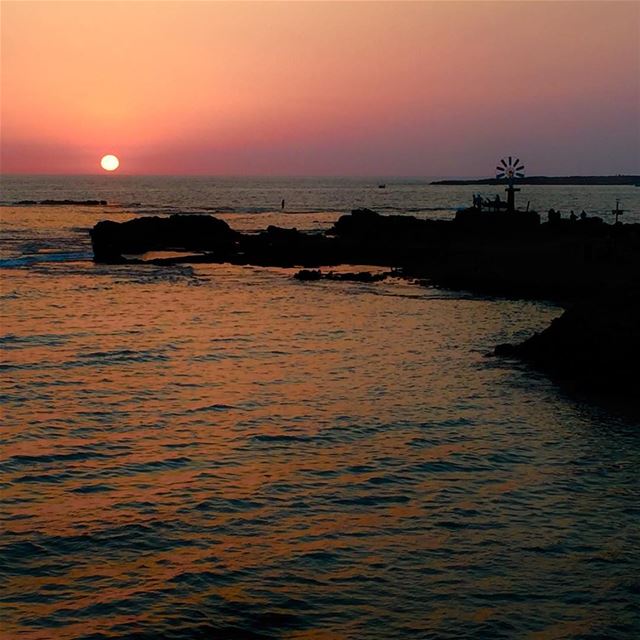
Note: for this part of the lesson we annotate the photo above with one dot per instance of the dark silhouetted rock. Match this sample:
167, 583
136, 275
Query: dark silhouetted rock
498, 253
595, 342
489, 252
112, 240
308, 274
358, 276
497, 221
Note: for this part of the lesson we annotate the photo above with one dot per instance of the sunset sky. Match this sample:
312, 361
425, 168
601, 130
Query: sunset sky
297, 88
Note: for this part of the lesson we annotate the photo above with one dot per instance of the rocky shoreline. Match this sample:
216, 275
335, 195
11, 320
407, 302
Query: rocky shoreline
595, 343
591, 267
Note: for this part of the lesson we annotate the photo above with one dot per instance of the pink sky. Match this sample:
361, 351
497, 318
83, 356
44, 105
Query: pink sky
390, 88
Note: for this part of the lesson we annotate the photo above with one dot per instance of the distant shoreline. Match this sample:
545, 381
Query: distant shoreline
553, 180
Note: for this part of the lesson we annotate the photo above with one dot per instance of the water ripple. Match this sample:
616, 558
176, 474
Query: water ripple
248, 458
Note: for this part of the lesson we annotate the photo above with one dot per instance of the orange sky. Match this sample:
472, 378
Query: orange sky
390, 88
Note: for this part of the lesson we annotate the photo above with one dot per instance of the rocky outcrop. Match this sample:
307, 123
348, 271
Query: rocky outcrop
489, 252
288, 248
595, 342
111, 241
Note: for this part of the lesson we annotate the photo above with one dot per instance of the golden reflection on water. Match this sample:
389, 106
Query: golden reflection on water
228, 441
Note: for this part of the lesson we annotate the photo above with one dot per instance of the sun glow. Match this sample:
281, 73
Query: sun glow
109, 163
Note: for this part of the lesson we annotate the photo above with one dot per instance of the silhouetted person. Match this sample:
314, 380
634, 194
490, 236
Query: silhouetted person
553, 216
573, 217
583, 215
282, 204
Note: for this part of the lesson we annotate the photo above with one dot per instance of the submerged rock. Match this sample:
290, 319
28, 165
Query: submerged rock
358, 276
308, 275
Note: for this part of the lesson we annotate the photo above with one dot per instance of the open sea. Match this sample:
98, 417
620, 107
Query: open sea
223, 452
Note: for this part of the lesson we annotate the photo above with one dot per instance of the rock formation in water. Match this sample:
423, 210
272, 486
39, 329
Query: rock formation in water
595, 342
491, 252
111, 241
308, 275
496, 252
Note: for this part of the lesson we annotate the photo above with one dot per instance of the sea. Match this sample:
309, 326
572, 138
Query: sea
224, 452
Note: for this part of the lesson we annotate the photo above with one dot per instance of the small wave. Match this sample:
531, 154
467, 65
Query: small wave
92, 488
35, 258
280, 439
372, 501
19, 461
212, 407
11, 341
120, 357
93, 359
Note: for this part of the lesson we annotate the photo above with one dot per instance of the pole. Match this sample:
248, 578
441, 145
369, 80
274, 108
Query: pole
511, 197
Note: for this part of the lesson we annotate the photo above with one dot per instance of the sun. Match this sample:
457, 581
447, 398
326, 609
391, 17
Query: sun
109, 163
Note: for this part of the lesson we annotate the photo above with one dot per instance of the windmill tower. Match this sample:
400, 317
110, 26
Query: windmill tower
510, 170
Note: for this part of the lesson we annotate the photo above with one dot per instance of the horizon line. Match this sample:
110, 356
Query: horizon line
303, 176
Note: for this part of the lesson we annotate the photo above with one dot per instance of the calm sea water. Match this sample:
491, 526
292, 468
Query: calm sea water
224, 452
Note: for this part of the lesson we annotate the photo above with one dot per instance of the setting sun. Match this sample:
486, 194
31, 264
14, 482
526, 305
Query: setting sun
109, 163
345, 347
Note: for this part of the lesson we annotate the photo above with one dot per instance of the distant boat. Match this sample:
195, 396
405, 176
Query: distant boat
382, 186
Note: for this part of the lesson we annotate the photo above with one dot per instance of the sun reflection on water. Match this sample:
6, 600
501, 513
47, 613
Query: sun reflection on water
221, 450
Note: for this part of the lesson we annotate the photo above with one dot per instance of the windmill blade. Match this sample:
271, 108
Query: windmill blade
499, 177
519, 175
509, 160
503, 163
520, 168
499, 169
517, 162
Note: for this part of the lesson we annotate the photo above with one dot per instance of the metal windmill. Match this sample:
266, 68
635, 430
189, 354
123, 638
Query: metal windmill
510, 170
